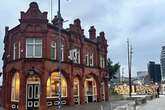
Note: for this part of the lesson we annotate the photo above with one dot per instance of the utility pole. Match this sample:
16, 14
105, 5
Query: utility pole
122, 77
51, 10
129, 66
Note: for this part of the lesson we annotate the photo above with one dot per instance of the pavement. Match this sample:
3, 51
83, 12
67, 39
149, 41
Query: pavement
156, 104
111, 105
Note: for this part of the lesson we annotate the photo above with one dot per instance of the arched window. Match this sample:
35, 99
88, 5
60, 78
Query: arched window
15, 87
53, 85
76, 87
90, 86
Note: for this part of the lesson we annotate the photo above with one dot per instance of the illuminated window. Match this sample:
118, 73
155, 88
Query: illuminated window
90, 86
53, 85
15, 87
76, 87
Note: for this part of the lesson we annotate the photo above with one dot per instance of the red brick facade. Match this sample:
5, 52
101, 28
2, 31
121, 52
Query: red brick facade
34, 24
0, 95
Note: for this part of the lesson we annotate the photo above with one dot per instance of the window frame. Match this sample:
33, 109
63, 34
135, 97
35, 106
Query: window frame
33, 44
54, 56
14, 51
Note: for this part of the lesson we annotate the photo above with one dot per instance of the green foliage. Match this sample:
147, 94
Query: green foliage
112, 69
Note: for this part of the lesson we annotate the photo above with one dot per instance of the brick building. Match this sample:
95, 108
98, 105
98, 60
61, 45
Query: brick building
31, 70
0, 95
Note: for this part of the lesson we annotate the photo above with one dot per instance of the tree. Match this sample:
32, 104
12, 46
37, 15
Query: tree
112, 69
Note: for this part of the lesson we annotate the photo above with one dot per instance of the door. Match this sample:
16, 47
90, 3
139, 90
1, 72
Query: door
33, 95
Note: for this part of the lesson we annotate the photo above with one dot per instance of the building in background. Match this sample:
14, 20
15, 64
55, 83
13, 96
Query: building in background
142, 77
162, 62
154, 72
31, 75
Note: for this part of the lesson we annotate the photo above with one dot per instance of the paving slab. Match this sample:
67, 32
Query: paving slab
156, 104
96, 106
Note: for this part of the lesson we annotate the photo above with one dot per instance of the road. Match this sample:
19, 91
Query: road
156, 104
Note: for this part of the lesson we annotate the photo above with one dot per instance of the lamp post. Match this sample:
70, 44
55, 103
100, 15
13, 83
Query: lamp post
60, 53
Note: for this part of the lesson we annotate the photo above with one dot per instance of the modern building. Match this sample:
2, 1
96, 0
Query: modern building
162, 62
31, 72
154, 72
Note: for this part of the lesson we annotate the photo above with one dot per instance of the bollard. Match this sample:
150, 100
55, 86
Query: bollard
102, 107
134, 106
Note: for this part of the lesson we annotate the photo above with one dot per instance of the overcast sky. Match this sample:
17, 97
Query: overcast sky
142, 21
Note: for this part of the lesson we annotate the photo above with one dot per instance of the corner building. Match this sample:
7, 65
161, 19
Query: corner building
31, 69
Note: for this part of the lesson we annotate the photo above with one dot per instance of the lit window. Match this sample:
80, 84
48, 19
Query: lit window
15, 87
53, 50
76, 87
53, 85
33, 48
90, 87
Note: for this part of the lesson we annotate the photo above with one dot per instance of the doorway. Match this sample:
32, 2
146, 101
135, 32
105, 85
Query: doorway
33, 93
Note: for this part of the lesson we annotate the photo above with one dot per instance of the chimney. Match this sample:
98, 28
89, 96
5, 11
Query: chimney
77, 22
6, 29
56, 21
102, 35
92, 33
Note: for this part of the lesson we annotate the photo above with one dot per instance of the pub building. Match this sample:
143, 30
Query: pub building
31, 63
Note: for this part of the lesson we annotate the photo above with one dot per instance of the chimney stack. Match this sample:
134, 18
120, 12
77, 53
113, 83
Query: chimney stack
6, 29
92, 33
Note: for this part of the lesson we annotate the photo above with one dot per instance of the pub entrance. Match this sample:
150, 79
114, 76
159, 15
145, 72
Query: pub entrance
33, 93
